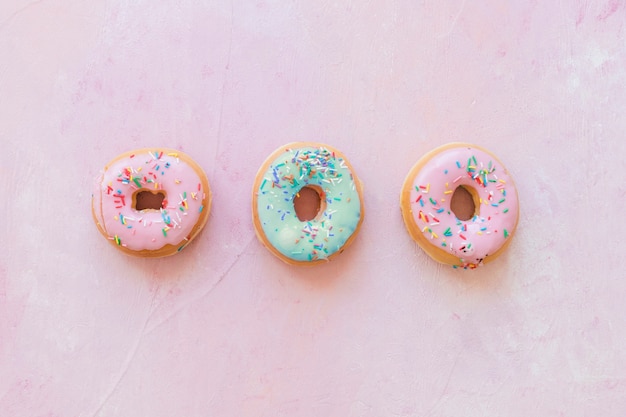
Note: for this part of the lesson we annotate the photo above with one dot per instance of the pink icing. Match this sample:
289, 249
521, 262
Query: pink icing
472, 240
149, 229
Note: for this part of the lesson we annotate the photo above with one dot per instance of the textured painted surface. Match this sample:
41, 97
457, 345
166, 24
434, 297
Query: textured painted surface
225, 328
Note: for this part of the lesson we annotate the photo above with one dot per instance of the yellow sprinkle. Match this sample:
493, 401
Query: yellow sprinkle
424, 229
428, 187
174, 154
448, 192
139, 169
502, 181
446, 185
479, 233
177, 181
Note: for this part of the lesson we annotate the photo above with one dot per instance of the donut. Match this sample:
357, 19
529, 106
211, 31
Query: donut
151, 202
460, 205
287, 175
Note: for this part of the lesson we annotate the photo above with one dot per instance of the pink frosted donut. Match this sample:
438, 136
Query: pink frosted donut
151, 202
473, 232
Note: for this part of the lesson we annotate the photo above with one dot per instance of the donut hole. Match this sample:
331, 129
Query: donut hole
148, 200
463, 202
308, 202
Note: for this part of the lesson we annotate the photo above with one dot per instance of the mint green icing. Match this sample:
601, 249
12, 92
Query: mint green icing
328, 232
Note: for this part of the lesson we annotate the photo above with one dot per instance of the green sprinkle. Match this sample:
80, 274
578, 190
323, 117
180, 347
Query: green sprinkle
448, 232
434, 203
164, 232
502, 201
136, 181
506, 233
263, 183
506, 210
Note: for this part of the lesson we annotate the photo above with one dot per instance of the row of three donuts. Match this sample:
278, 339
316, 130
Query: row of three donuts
308, 203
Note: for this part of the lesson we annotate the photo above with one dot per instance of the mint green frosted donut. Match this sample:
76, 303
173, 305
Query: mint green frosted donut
282, 176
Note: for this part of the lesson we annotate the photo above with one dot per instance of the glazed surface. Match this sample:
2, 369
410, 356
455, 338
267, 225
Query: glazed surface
471, 241
149, 229
340, 214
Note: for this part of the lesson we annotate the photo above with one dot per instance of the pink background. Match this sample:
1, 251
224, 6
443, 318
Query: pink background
224, 328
